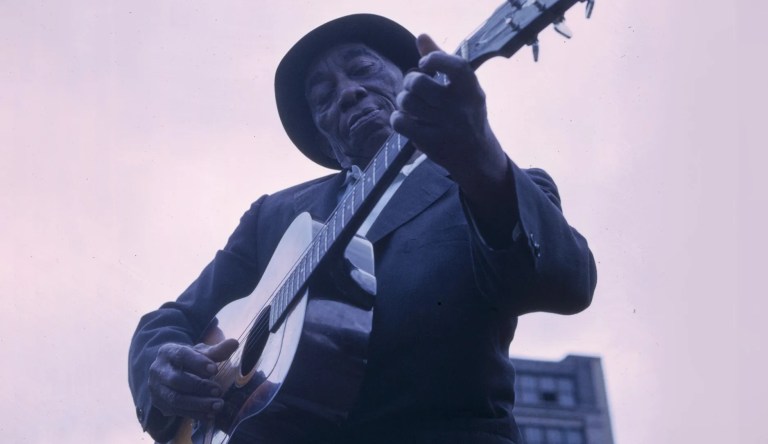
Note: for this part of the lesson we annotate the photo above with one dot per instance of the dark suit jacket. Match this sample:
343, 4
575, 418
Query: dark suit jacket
445, 312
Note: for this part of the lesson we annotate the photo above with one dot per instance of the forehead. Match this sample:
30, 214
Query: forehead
338, 56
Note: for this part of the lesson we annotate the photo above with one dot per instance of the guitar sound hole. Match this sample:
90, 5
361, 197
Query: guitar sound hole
257, 339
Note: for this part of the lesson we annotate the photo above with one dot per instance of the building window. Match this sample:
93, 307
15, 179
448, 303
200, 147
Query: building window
574, 436
548, 390
527, 391
566, 392
533, 435
552, 435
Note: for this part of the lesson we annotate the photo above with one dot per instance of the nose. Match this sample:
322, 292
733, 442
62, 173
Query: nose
350, 93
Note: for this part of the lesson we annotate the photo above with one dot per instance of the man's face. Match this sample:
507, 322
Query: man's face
351, 92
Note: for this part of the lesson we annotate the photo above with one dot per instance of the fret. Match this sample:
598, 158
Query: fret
386, 152
277, 306
284, 295
299, 275
288, 291
343, 209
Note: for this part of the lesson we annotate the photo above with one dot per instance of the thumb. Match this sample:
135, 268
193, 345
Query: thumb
425, 44
221, 351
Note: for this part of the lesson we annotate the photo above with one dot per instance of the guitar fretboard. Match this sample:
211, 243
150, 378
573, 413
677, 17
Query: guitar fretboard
343, 222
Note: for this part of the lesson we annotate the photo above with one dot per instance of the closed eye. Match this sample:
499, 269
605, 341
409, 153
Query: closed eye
363, 69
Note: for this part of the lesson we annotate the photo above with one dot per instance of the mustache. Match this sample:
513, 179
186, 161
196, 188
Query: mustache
377, 102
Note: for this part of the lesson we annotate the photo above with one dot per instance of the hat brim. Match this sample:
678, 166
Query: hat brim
379, 33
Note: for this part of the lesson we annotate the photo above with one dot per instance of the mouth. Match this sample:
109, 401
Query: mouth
361, 118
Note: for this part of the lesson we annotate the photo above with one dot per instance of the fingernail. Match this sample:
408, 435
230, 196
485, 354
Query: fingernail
216, 392
217, 405
211, 368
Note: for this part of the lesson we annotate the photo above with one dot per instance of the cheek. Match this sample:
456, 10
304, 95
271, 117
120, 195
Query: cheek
325, 123
394, 87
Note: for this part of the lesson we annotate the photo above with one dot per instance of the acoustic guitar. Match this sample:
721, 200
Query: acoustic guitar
301, 359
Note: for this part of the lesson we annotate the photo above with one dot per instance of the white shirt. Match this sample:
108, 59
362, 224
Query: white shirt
404, 172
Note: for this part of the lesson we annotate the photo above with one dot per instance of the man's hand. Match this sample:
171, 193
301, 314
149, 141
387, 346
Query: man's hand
180, 379
448, 122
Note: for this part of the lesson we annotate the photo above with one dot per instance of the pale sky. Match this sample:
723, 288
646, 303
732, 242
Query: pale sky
133, 135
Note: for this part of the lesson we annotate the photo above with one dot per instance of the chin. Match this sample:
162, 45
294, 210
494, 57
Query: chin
368, 143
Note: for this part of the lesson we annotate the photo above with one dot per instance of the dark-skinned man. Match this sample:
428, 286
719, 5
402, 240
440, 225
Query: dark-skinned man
465, 245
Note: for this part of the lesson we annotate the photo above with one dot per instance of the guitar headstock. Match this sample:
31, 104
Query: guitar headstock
514, 24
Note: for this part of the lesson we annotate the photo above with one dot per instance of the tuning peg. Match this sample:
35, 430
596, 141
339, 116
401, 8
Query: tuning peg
562, 28
590, 7
534, 44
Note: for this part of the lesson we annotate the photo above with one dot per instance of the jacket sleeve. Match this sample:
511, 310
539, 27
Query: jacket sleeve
232, 274
546, 265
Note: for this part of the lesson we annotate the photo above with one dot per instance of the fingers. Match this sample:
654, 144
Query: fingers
189, 359
178, 393
425, 44
180, 381
414, 128
221, 351
173, 403
421, 98
460, 74
185, 382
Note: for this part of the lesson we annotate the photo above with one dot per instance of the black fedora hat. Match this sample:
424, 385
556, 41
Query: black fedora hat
380, 34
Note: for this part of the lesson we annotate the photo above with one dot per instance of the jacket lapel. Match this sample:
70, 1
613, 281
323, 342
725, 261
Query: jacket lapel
422, 187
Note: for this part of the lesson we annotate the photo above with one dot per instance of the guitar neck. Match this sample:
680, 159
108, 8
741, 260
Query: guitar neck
344, 221
514, 24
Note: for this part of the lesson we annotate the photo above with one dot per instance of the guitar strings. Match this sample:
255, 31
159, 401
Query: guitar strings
259, 329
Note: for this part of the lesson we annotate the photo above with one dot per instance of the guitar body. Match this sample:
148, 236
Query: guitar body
302, 377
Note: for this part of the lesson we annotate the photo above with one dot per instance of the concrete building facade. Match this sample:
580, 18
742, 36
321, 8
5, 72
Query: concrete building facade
562, 402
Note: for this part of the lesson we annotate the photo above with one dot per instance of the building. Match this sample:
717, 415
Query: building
562, 402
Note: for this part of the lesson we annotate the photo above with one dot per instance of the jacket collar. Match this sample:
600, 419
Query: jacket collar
420, 189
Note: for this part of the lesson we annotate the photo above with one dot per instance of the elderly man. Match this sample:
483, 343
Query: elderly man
466, 244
